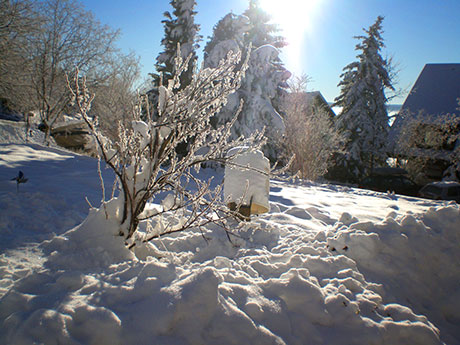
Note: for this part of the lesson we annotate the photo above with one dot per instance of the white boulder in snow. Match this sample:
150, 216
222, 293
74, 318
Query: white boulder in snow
247, 177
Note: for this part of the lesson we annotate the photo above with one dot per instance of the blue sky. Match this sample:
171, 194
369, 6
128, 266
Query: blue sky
416, 32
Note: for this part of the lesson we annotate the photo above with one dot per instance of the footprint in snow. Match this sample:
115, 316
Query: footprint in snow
322, 216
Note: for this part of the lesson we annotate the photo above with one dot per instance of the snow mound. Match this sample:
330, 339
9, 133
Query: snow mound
94, 243
328, 265
276, 285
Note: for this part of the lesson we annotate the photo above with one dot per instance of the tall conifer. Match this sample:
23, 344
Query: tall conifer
265, 80
262, 30
180, 28
364, 118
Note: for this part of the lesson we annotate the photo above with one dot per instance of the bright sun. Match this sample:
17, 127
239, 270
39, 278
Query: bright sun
296, 20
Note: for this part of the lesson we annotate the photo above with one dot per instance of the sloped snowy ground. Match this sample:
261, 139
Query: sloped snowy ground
14, 132
327, 265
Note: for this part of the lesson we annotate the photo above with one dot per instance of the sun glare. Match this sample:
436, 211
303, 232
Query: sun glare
296, 20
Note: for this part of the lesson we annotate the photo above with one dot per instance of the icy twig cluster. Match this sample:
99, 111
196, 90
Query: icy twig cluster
310, 133
145, 160
422, 139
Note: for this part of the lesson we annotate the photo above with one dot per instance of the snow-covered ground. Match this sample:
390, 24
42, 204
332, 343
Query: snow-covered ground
15, 132
328, 265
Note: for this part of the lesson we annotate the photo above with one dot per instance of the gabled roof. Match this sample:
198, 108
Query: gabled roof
436, 91
315, 98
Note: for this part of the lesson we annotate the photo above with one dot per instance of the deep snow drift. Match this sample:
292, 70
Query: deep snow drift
328, 265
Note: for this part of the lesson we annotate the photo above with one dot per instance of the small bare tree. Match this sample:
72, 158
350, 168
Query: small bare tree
63, 35
115, 94
145, 161
17, 20
310, 133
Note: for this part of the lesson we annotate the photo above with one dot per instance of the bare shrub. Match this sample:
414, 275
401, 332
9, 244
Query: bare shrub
145, 161
115, 95
425, 142
310, 133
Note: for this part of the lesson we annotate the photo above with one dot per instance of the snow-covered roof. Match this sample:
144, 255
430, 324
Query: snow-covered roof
445, 184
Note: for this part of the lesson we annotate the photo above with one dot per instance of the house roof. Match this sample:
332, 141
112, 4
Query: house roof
436, 91
315, 98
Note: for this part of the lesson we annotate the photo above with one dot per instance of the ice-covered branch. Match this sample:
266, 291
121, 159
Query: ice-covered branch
145, 161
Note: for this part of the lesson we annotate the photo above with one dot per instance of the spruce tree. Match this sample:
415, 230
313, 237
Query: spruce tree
228, 33
262, 31
265, 80
364, 118
180, 28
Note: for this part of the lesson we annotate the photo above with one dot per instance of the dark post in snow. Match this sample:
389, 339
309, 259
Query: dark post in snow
19, 179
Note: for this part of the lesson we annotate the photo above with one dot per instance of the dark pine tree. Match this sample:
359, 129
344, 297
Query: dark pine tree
180, 28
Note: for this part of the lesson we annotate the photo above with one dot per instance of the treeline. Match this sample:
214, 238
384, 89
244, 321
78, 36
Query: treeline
44, 42
349, 146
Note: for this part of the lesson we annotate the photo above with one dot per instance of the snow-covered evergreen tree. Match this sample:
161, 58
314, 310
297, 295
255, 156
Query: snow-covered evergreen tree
262, 31
265, 79
264, 83
228, 34
180, 28
364, 118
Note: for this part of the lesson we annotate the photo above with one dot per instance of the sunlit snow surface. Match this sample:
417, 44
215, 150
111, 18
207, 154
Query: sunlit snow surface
328, 265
